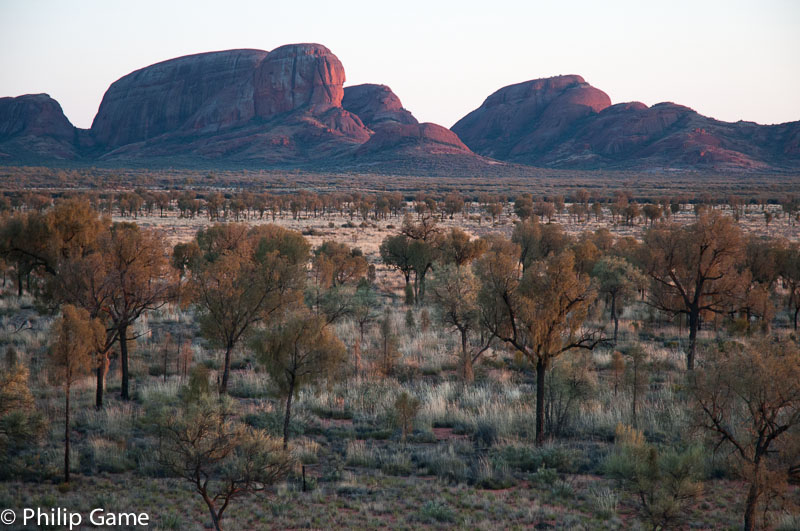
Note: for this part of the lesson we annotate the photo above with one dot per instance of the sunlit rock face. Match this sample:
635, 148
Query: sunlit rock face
297, 76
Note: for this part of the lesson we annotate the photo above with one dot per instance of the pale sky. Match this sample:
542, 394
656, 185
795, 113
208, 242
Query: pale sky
730, 60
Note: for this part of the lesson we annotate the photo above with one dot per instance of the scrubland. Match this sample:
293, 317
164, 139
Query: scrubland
390, 433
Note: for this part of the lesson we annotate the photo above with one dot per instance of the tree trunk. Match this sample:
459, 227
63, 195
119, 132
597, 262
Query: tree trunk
98, 396
752, 500
796, 311
467, 372
66, 434
635, 393
223, 388
614, 316
215, 518
357, 357
288, 416
123, 351
694, 325
540, 373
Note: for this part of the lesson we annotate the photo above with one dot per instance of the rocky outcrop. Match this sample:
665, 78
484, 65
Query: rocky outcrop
531, 114
201, 93
35, 125
396, 131
376, 105
296, 76
282, 106
564, 122
289, 107
415, 137
34, 115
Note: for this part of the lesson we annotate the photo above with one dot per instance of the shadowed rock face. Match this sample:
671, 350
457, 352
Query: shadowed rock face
428, 137
34, 125
533, 113
565, 122
376, 105
33, 115
198, 93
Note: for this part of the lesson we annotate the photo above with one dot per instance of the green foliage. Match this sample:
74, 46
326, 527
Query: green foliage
21, 426
198, 386
435, 512
570, 382
411, 323
222, 458
406, 408
664, 481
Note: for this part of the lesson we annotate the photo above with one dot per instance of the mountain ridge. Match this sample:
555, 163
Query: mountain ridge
289, 107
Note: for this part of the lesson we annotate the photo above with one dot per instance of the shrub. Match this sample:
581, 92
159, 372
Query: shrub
357, 454
406, 408
663, 481
435, 511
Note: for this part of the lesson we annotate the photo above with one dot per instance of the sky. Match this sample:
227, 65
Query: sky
731, 60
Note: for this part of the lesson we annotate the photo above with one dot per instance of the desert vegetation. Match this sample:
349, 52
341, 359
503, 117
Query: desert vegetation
240, 358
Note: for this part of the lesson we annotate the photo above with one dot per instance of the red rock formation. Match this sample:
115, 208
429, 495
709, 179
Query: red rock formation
288, 107
34, 115
376, 105
34, 126
426, 136
295, 76
564, 122
199, 93
533, 113
238, 104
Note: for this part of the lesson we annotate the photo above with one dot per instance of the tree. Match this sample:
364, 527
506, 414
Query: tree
345, 265
652, 212
455, 294
789, 266
223, 459
618, 280
453, 204
423, 250
245, 276
540, 313
537, 241
300, 351
37, 241
406, 408
76, 337
457, 248
396, 254
364, 312
21, 425
388, 337
495, 210
139, 279
693, 269
748, 399
523, 206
